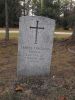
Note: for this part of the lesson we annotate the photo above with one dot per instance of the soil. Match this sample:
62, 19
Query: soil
60, 85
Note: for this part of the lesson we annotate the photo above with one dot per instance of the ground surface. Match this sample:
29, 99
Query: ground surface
60, 85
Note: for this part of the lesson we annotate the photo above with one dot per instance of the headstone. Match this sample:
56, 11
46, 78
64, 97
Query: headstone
35, 45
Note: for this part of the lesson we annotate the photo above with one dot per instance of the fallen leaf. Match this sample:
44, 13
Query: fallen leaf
18, 88
62, 98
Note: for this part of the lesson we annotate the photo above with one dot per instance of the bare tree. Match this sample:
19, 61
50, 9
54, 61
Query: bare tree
26, 8
73, 35
42, 5
6, 21
73, 8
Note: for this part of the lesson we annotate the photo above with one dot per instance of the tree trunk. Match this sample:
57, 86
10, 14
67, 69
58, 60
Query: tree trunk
73, 35
6, 21
24, 8
71, 43
42, 6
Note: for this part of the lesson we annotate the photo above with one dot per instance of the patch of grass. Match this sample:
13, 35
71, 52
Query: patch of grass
62, 30
15, 36
2, 35
11, 35
9, 95
61, 37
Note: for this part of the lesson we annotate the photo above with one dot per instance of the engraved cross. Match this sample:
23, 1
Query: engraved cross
37, 27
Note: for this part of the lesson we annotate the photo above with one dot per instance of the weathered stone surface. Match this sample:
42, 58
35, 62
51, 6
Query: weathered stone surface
35, 45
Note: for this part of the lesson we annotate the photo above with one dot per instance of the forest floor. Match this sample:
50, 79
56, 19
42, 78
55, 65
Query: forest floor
60, 85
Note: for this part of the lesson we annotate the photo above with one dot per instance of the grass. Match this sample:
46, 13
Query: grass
62, 30
61, 37
11, 35
15, 36
10, 95
62, 64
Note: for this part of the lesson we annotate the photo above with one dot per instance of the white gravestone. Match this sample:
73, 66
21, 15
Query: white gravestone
35, 45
